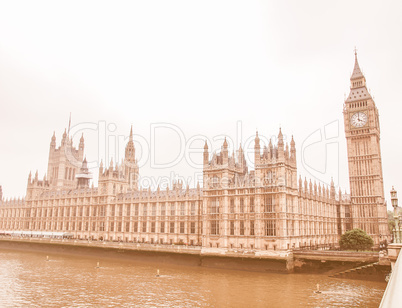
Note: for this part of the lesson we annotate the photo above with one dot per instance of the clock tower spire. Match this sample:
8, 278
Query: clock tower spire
362, 131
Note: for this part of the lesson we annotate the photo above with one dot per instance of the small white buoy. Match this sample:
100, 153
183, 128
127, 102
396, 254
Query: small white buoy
318, 289
47, 258
157, 273
97, 264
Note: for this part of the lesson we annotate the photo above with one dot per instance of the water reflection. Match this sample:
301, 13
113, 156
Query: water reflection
65, 281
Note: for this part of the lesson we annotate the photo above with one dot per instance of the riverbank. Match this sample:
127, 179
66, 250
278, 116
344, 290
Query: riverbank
160, 254
322, 262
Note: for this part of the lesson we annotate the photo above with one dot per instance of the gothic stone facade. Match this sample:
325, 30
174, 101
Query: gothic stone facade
268, 208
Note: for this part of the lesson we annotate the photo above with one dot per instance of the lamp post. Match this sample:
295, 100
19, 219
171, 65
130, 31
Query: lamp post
394, 201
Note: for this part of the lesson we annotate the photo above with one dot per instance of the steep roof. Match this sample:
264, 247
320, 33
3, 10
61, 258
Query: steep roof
357, 73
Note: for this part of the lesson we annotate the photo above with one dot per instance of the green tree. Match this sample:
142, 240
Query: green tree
356, 239
391, 221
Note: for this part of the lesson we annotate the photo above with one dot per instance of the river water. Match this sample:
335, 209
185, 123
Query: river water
28, 280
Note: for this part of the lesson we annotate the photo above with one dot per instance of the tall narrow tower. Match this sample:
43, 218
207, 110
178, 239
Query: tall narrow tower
130, 163
362, 130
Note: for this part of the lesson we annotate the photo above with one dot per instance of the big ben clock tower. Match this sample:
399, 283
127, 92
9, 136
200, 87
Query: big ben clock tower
362, 130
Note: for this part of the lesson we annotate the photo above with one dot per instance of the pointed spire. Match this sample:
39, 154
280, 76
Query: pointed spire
280, 138
358, 89
64, 136
111, 164
293, 151
84, 163
101, 168
82, 138
240, 156
225, 144
69, 125
206, 154
357, 73
257, 153
281, 147
54, 137
225, 155
257, 139
130, 149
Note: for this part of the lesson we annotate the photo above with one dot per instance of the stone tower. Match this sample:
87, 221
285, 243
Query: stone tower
84, 176
64, 162
120, 178
130, 163
362, 131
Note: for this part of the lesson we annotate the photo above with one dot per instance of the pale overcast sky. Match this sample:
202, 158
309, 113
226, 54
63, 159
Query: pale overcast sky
204, 68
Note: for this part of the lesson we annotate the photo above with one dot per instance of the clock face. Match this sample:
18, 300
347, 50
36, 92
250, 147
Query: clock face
358, 119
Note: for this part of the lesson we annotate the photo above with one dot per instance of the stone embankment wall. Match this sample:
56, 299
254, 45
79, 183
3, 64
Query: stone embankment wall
165, 254
326, 262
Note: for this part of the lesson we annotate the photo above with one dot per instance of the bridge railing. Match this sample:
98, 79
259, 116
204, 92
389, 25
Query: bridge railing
397, 232
393, 296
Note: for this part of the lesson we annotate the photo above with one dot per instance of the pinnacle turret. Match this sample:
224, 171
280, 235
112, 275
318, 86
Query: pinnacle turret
206, 154
225, 155
81, 146
257, 153
101, 167
225, 144
53, 141
130, 149
111, 164
64, 136
257, 139
280, 135
281, 147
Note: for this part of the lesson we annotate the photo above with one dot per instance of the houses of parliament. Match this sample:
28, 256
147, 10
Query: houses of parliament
268, 208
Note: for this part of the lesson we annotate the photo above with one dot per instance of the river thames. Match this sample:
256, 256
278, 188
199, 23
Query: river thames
28, 280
